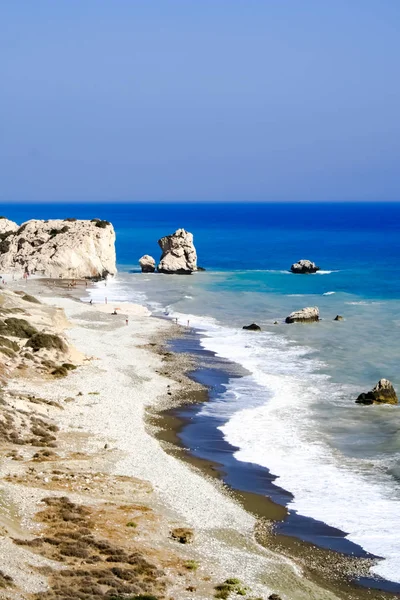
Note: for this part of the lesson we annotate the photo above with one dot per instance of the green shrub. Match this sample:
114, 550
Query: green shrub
9, 343
21, 229
4, 246
45, 340
131, 524
17, 328
231, 585
60, 372
8, 352
69, 366
29, 298
100, 223
49, 363
191, 565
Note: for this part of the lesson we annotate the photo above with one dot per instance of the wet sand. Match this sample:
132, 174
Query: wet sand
344, 570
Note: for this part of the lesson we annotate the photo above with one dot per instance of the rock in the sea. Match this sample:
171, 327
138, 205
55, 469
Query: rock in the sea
305, 315
147, 264
179, 254
70, 248
304, 266
382, 393
338, 318
252, 327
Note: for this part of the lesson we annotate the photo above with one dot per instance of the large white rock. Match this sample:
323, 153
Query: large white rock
57, 248
305, 315
147, 264
304, 266
179, 254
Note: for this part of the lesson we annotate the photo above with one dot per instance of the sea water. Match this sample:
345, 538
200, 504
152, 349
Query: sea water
294, 413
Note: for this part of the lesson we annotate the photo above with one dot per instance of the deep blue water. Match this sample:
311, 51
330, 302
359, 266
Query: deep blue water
294, 413
360, 239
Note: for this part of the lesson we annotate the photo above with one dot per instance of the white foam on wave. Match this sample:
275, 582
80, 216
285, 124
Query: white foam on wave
276, 430
329, 293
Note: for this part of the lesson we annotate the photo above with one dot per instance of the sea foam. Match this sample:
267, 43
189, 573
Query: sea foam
270, 418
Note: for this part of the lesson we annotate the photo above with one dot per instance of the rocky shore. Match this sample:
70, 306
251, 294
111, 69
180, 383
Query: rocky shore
92, 505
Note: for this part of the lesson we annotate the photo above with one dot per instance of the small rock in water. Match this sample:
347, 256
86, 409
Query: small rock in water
305, 315
382, 393
147, 264
338, 318
304, 266
252, 327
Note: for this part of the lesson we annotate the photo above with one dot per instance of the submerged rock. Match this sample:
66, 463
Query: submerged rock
252, 327
382, 393
305, 315
147, 264
179, 254
304, 266
70, 248
338, 318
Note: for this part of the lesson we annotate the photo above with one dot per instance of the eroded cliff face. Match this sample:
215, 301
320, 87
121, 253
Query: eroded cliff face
58, 248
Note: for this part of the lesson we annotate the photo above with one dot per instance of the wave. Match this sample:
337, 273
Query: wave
329, 293
270, 416
277, 430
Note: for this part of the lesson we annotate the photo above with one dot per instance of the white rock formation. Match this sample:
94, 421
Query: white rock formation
305, 315
6, 225
147, 264
179, 254
304, 266
57, 248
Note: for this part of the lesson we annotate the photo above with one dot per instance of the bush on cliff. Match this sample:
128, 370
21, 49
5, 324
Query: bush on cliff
29, 298
17, 328
47, 341
9, 343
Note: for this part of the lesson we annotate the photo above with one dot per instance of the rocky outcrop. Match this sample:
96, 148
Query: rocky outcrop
70, 248
304, 266
178, 253
382, 393
305, 315
147, 264
338, 318
6, 225
252, 327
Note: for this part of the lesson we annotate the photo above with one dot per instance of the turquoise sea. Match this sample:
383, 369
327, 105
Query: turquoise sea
294, 411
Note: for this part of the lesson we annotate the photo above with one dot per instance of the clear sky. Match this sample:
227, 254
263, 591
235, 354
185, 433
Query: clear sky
191, 100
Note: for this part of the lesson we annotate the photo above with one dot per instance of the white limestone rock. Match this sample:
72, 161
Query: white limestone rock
179, 254
7, 225
305, 315
147, 264
304, 266
56, 248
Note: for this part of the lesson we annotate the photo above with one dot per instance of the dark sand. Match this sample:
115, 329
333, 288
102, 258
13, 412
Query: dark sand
322, 551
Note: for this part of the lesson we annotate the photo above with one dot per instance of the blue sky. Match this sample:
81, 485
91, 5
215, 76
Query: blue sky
199, 100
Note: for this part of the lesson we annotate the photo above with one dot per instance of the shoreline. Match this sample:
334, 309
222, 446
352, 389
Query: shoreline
133, 374
322, 563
